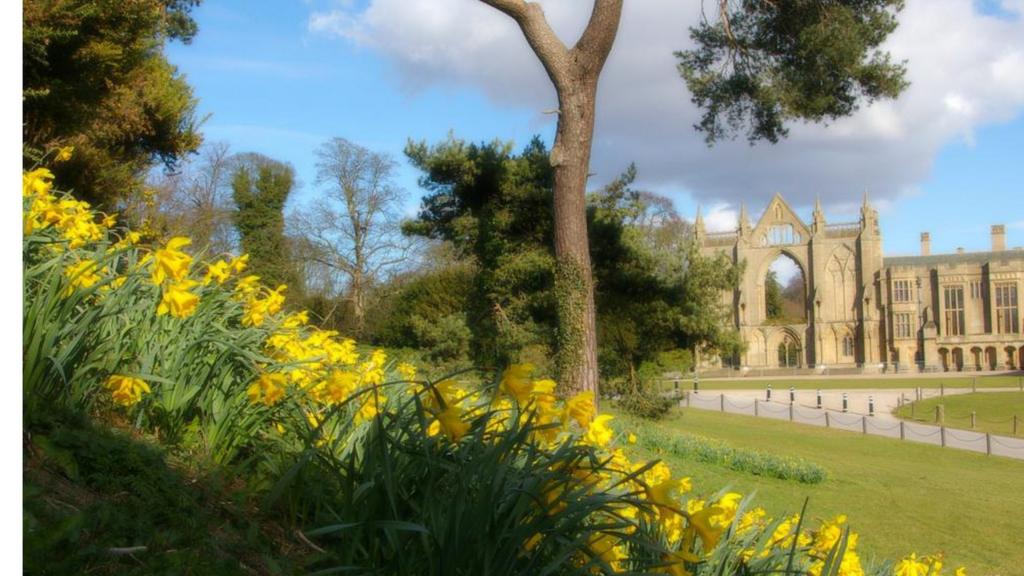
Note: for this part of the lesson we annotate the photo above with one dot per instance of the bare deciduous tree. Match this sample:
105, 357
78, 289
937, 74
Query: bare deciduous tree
195, 201
350, 237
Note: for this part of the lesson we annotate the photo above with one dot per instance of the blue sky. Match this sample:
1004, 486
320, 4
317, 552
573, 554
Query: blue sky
280, 78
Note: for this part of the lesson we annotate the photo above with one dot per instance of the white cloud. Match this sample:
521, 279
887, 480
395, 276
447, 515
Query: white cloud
721, 218
965, 70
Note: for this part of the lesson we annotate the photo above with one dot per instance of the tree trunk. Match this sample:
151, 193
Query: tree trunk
574, 284
574, 73
358, 303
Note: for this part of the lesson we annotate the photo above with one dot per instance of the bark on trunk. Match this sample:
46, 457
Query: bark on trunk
358, 303
574, 73
574, 285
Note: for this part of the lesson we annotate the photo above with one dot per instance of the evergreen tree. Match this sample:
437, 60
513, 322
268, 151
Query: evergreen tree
95, 77
260, 188
654, 293
495, 208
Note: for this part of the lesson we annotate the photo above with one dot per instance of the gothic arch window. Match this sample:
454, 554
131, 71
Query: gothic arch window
789, 352
785, 291
842, 292
848, 348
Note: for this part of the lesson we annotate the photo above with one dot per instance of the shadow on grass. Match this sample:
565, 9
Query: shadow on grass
100, 501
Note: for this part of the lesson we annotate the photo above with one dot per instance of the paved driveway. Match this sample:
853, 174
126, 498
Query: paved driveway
856, 417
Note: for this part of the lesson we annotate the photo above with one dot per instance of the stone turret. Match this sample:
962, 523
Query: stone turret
868, 218
818, 218
744, 222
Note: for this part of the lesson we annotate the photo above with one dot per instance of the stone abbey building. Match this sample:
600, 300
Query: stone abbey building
866, 312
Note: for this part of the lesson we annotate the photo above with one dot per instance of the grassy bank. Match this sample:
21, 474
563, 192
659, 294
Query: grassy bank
900, 496
994, 411
103, 501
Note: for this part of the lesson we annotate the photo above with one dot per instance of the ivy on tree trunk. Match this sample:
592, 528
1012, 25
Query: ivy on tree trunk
574, 73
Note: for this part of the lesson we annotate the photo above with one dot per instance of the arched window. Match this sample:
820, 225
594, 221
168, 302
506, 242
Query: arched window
848, 346
789, 352
785, 292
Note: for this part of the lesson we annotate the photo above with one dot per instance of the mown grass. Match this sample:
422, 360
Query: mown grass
994, 411
899, 496
836, 383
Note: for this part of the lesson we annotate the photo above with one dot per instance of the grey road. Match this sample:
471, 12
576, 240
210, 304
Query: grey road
856, 417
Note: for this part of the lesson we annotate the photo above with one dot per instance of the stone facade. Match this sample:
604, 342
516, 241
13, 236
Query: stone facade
865, 312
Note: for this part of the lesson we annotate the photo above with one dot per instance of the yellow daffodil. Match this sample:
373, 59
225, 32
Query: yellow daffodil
81, 274
827, 536
178, 300
373, 369
238, 265
268, 389
909, 566
516, 382
606, 548
370, 407
407, 371
248, 285
171, 262
339, 386
581, 408
751, 519
343, 352
703, 523
544, 394
126, 390
451, 423
219, 271
37, 182
64, 154
598, 433
297, 319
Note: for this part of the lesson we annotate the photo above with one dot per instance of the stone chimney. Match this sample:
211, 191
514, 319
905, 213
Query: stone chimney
926, 244
998, 237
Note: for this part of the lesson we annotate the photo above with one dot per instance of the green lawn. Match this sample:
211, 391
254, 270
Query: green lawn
900, 496
995, 411
834, 383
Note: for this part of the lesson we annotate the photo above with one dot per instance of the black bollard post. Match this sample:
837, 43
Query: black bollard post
871, 405
819, 399
844, 402
792, 395
768, 396
696, 384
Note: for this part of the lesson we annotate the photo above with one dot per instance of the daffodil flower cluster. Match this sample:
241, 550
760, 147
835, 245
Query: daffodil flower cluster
74, 219
692, 529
